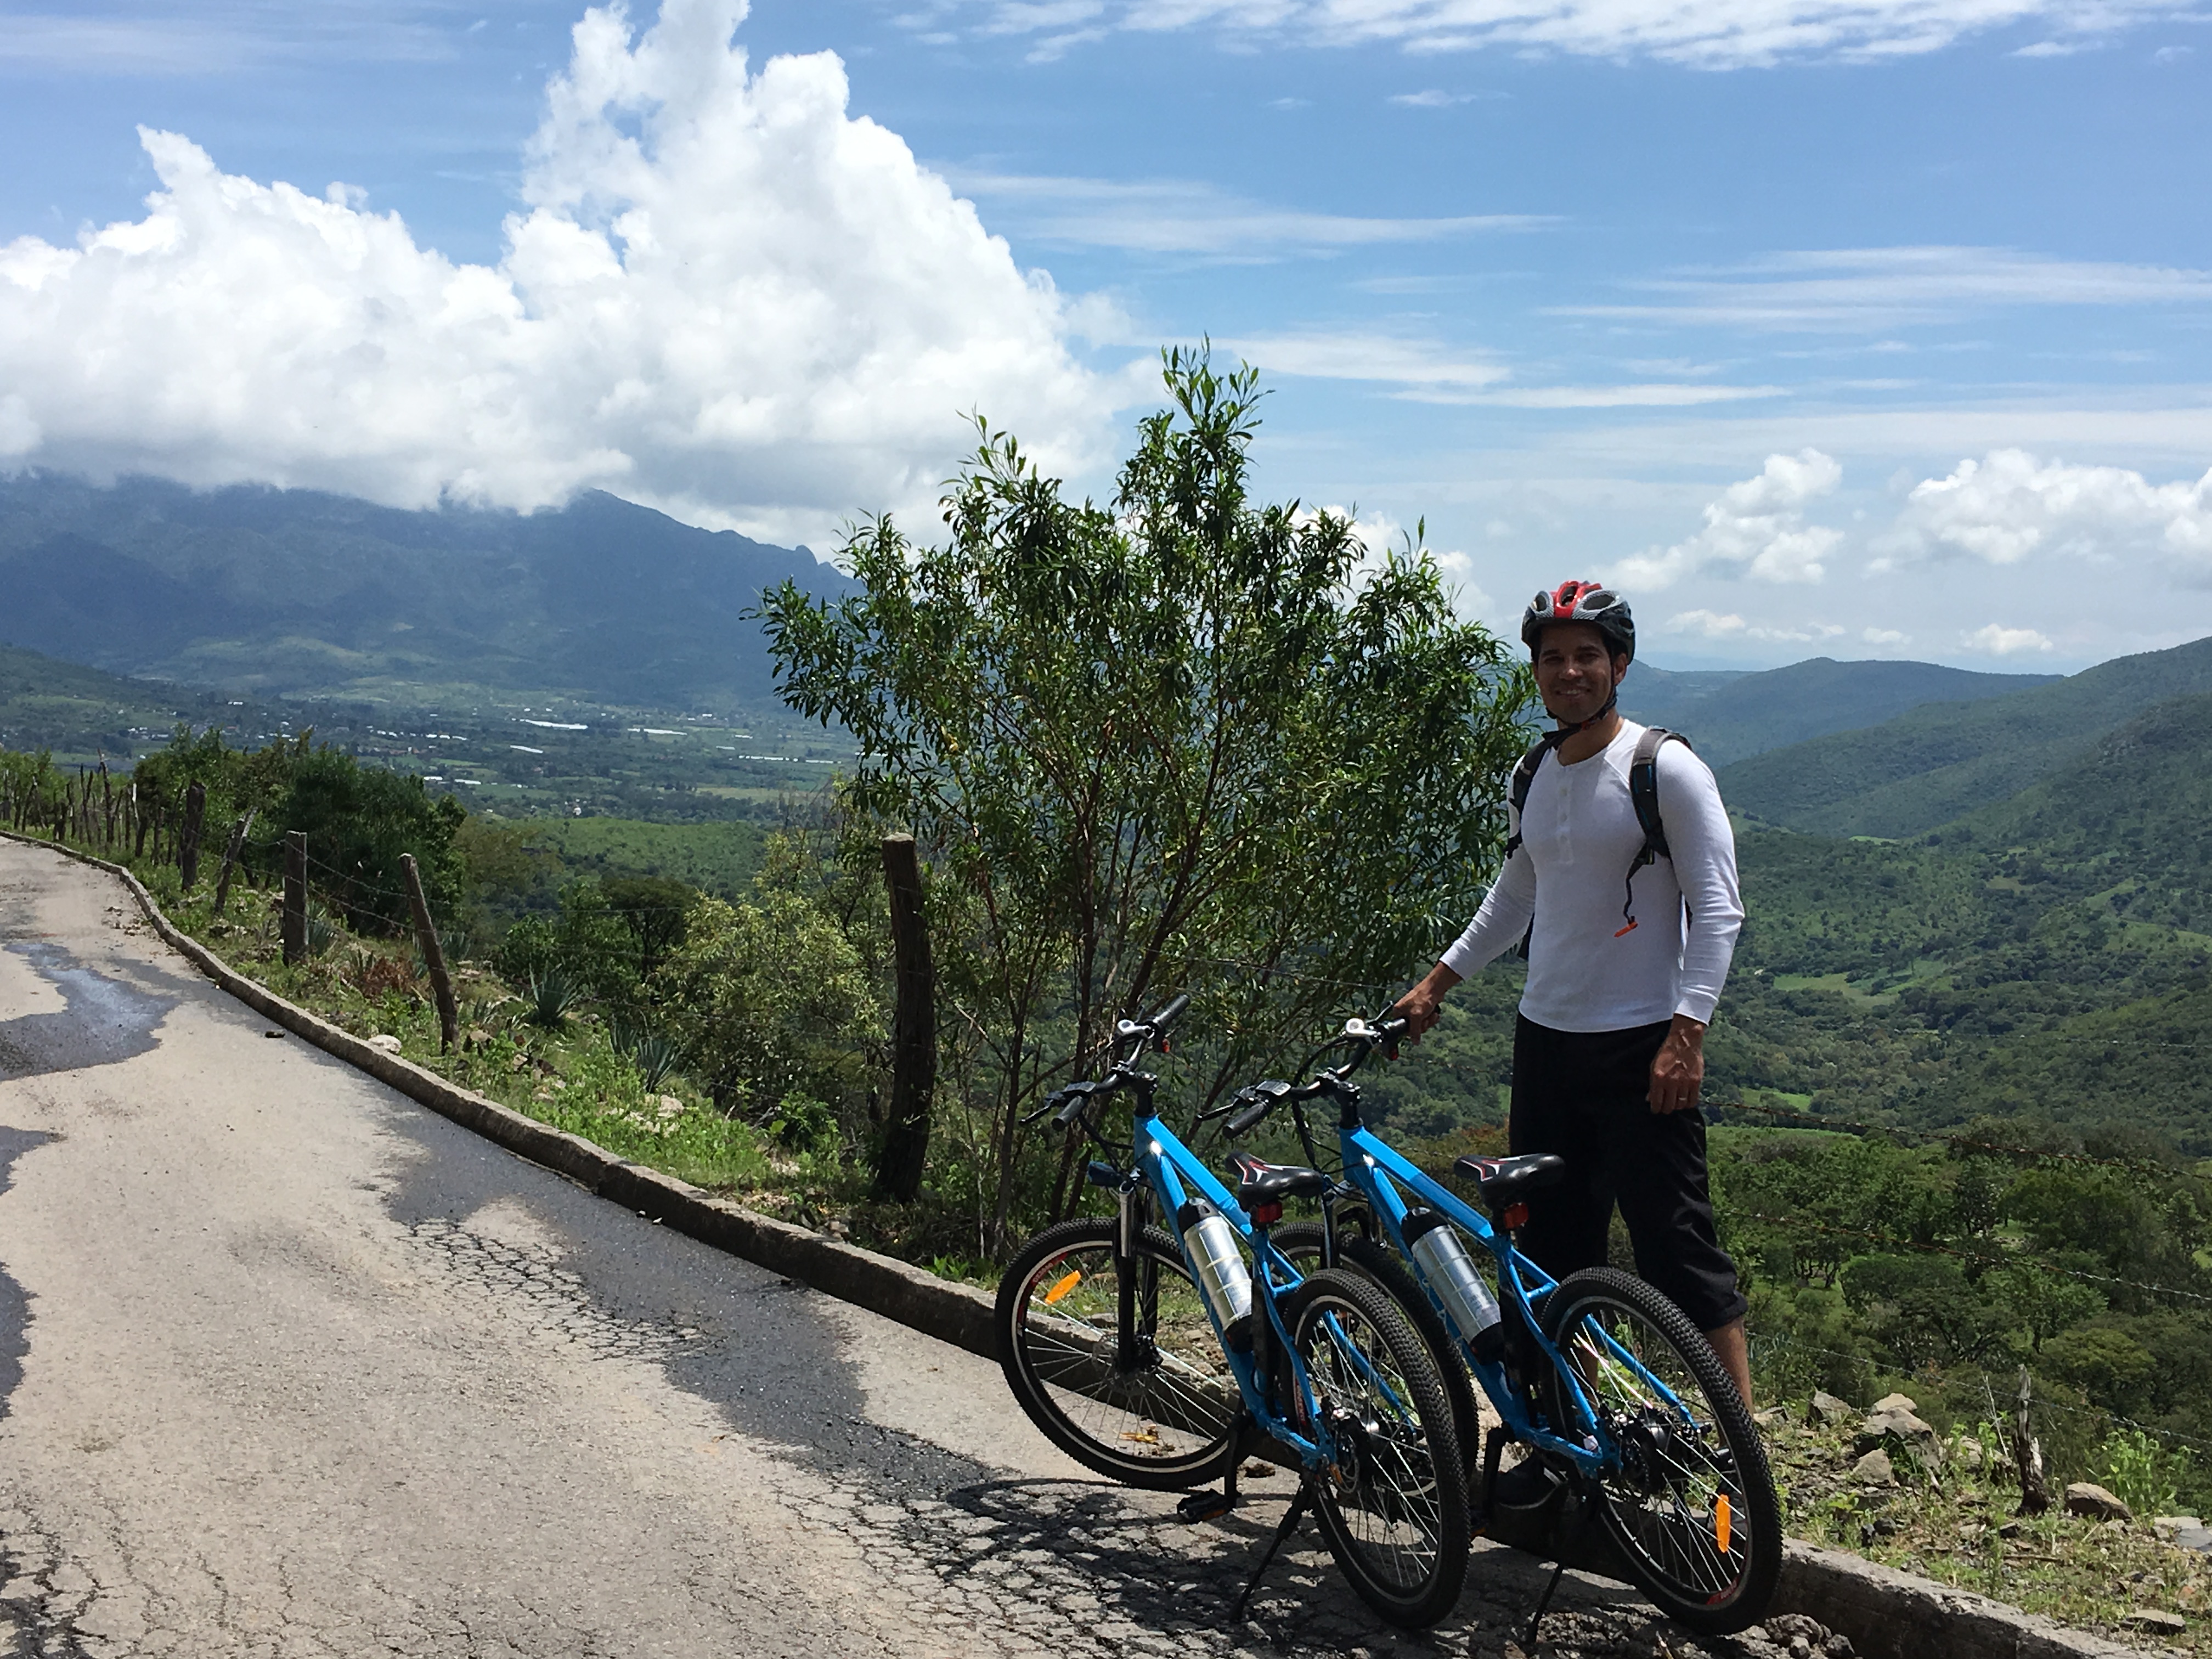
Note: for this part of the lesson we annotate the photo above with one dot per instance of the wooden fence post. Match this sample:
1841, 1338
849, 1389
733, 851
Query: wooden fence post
913, 1029
2034, 1491
295, 895
434, 955
239, 832
188, 844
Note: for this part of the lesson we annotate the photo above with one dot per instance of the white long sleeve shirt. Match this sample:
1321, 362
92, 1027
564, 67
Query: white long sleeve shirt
1578, 836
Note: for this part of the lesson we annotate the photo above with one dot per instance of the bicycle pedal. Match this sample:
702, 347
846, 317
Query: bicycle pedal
1203, 1506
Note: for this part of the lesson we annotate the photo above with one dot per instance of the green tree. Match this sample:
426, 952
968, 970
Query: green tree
1183, 741
359, 820
775, 1012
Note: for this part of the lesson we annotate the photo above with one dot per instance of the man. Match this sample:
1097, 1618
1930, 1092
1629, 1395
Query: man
1608, 1050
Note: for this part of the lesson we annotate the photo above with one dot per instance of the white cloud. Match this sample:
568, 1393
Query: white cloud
1757, 529
1884, 636
2009, 506
1183, 216
1434, 98
1856, 289
2000, 642
1648, 395
174, 41
1727, 625
1366, 357
1746, 34
726, 296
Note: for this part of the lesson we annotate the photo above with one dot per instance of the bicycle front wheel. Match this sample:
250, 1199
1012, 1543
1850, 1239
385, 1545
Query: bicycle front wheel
1692, 1506
1393, 1504
1154, 1406
1301, 1242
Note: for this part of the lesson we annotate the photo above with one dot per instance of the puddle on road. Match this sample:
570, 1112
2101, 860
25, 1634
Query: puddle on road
101, 1020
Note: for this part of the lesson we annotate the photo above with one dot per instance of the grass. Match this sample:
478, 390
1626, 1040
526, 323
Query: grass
1955, 1523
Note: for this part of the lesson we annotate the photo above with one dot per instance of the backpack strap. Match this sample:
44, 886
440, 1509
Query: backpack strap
1524, 776
1643, 796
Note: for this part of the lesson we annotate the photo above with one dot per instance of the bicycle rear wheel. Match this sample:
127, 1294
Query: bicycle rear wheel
1392, 1505
1301, 1242
1693, 1507
1160, 1411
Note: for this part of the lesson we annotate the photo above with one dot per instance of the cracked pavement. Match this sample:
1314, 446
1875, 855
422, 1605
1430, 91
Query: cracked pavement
291, 1366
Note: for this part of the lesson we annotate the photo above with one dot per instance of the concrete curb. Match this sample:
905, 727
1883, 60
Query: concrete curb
951, 1313
1890, 1615
1887, 1614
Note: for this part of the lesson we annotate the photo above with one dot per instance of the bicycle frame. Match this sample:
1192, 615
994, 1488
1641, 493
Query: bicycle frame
1381, 1177
1166, 1171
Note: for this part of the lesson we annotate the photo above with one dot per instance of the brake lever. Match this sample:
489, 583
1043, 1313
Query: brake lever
1051, 1103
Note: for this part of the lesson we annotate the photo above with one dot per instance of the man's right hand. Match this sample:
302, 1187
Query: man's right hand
1420, 1006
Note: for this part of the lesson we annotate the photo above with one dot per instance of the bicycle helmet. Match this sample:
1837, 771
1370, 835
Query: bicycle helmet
1582, 602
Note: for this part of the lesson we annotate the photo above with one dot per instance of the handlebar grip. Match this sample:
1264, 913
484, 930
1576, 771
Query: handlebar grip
1070, 1112
1051, 1102
1168, 1016
1248, 1119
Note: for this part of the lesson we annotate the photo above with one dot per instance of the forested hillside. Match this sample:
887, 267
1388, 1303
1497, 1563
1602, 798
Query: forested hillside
1911, 774
301, 592
1731, 717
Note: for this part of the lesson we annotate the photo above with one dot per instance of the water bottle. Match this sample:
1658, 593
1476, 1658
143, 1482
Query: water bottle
1223, 1277
1450, 1272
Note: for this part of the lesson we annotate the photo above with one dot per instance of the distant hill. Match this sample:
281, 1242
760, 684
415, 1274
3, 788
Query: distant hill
296, 591
1731, 717
1943, 761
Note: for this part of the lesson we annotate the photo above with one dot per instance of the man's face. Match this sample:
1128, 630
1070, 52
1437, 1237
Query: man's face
1575, 670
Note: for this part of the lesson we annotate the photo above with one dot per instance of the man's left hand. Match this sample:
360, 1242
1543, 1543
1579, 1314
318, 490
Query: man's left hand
1678, 1070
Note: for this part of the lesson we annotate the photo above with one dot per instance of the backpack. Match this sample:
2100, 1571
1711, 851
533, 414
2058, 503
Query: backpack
1642, 795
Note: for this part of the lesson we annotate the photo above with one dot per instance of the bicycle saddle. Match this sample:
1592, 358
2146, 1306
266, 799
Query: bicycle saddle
1509, 1180
1259, 1181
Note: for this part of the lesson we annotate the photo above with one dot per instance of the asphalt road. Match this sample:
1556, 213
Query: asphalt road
289, 1365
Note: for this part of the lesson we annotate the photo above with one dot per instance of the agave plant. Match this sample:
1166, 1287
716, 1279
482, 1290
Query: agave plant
322, 933
656, 1058
551, 995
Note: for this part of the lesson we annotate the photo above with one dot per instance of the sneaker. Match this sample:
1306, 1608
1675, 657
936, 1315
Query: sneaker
1527, 1485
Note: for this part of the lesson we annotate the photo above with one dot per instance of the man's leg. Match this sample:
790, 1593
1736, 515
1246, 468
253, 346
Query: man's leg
1567, 1222
1735, 1355
1660, 1170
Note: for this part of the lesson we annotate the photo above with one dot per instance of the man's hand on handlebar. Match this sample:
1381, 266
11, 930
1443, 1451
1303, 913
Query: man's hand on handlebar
1421, 1006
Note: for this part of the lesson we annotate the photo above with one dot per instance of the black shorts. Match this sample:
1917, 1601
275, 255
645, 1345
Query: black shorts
1582, 1095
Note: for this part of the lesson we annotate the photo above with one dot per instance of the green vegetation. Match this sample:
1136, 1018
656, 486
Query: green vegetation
1176, 742
1925, 768
299, 593
1737, 715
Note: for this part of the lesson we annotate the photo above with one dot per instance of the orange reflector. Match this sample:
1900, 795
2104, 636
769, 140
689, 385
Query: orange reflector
1076, 1278
1720, 1521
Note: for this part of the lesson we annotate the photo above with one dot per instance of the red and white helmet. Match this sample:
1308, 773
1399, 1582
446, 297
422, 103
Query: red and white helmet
1582, 602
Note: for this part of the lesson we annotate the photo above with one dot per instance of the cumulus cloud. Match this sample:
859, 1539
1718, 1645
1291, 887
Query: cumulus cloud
726, 296
2009, 506
1727, 625
1757, 529
2001, 641
1884, 636
1746, 34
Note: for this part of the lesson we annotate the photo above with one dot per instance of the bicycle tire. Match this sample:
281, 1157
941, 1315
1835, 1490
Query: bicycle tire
1392, 1507
1170, 1424
1301, 1242
1693, 1514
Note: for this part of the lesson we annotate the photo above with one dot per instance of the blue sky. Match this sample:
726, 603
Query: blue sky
1877, 329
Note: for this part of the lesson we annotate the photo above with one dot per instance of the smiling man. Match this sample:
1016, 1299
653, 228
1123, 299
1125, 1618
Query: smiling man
1629, 941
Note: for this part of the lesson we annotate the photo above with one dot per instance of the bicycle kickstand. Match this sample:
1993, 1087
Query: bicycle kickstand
1292, 1516
1542, 1603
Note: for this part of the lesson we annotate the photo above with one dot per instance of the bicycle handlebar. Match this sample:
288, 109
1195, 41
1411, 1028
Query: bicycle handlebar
1252, 1104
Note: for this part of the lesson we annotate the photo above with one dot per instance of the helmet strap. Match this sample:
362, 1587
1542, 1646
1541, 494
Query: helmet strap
1566, 730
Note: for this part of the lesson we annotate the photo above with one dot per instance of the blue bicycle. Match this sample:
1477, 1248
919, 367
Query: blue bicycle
1608, 1386
1159, 1358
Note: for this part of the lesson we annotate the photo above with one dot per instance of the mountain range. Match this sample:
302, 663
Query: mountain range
302, 594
